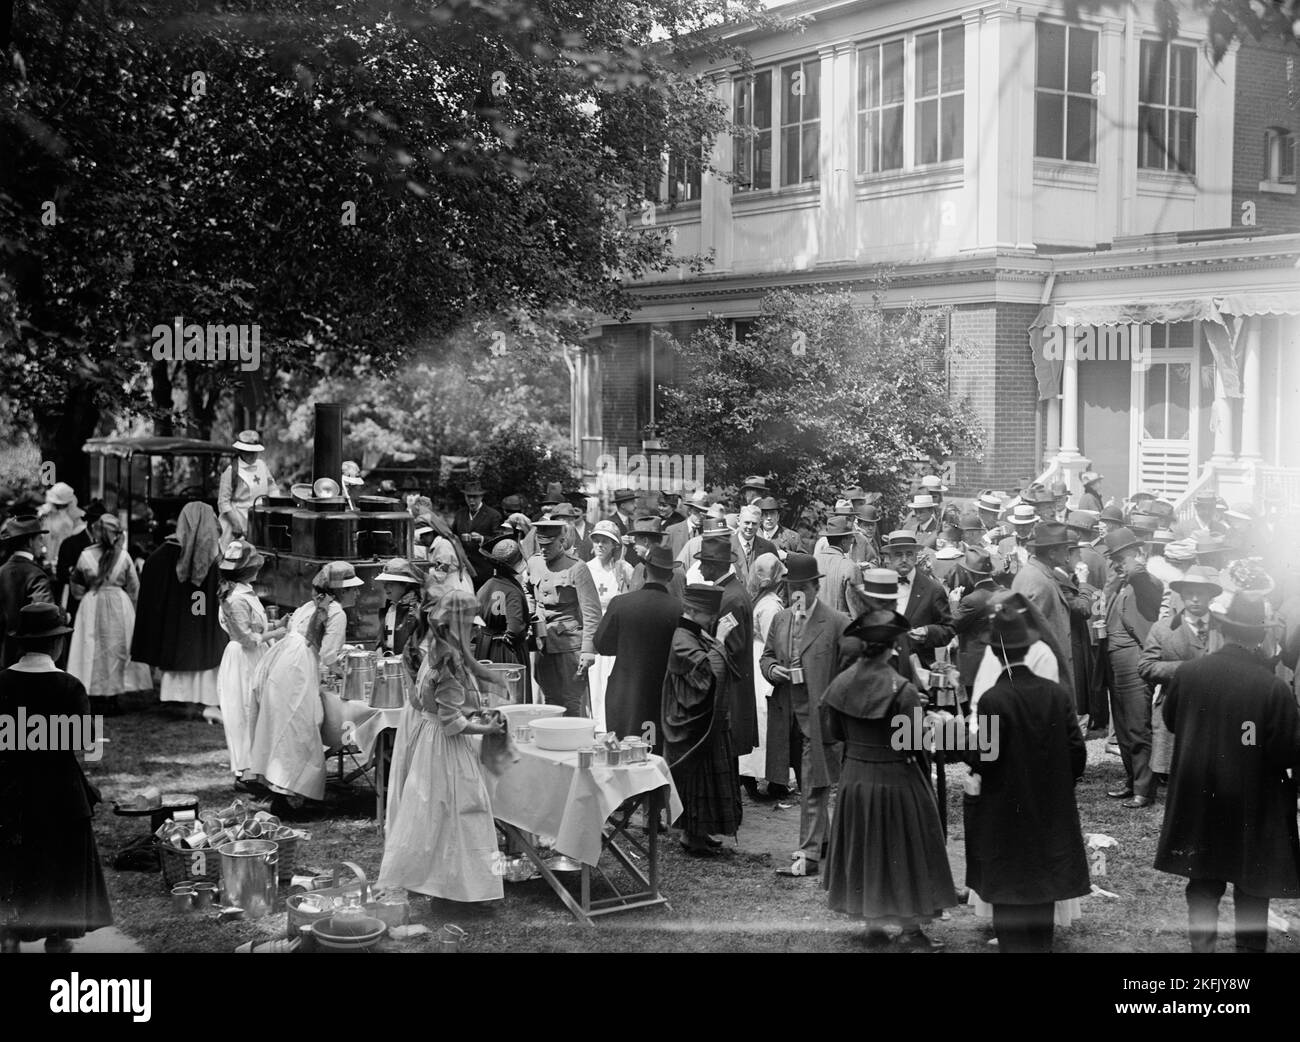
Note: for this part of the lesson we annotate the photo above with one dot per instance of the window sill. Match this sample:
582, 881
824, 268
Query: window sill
1161, 182
1063, 173
775, 200
1277, 187
903, 182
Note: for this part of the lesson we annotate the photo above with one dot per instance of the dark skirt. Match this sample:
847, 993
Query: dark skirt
887, 855
51, 883
709, 788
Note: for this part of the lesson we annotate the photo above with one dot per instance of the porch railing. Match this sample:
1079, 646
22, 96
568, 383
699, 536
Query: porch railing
1183, 507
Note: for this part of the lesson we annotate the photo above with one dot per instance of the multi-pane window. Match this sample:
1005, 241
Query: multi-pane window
793, 93
881, 105
800, 121
940, 100
1065, 105
1279, 156
912, 101
1167, 107
753, 151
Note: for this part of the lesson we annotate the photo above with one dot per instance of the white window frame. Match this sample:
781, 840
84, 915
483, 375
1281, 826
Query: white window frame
1166, 107
1062, 96
776, 127
1277, 142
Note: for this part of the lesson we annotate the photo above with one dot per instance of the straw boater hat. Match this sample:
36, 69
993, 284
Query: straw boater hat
400, 570
1089, 477
240, 557
901, 539
40, 620
801, 568
1120, 540
990, 501
248, 441
1199, 575
1024, 514
606, 530
880, 583
922, 501
933, 483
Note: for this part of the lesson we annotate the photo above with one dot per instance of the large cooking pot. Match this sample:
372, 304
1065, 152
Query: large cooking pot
332, 535
384, 533
272, 526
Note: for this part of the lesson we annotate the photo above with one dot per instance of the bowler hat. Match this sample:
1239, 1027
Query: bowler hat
1199, 575
716, 548
512, 504
1059, 489
1050, 533
1082, 522
880, 582
20, 527
400, 570
553, 494
877, 626
1009, 626
473, 488
41, 619
648, 525
1237, 615
703, 597
800, 568
1120, 540
767, 503
1112, 512
622, 495
901, 539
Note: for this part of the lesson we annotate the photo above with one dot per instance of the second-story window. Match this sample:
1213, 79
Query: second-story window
800, 122
1065, 105
1167, 107
940, 95
1279, 156
793, 94
752, 162
880, 107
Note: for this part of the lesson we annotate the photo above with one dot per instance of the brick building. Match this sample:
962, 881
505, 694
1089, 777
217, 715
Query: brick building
1101, 211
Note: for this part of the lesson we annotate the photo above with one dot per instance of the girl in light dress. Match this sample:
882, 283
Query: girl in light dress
612, 576
105, 580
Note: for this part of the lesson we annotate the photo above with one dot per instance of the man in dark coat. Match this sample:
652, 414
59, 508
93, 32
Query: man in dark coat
1230, 815
696, 718
1039, 583
716, 566
474, 524
747, 545
637, 629
800, 658
624, 509
921, 599
970, 620
22, 580
1024, 848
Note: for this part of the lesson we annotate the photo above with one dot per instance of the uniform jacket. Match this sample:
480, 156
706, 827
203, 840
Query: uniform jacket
22, 581
1038, 583
567, 597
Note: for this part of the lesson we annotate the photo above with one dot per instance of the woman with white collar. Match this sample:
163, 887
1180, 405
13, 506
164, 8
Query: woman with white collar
287, 708
242, 483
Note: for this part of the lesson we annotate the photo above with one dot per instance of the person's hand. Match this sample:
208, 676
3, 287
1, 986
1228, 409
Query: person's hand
1081, 572
726, 625
585, 661
779, 673
917, 633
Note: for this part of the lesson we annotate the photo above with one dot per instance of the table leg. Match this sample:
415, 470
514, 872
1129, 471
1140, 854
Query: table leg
652, 821
518, 835
383, 753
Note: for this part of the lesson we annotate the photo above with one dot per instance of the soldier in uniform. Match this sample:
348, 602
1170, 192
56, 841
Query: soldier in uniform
570, 608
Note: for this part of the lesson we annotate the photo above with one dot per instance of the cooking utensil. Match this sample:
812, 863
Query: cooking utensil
561, 863
523, 715
248, 875
563, 733
510, 674
452, 938
358, 675
325, 488
345, 934
392, 684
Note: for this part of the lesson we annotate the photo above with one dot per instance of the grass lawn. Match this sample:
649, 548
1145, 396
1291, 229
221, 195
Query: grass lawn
733, 903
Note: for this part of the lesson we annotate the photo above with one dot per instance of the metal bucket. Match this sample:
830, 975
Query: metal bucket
512, 675
391, 684
248, 871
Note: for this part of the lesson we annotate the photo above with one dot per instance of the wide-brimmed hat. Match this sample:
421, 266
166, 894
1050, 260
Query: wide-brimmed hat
1209, 543
702, 597
337, 575
1024, 514
1051, 533
1120, 540
248, 441
1161, 537
1162, 508
512, 504
901, 539
1180, 551
20, 527
1059, 489
660, 558
60, 494
977, 562
400, 570
648, 525
1199, 575
1112, 512
1240, 616
1089, 477
880, 582
1143, 520
922, 501
877, 626
800, 568
754, 481
853, 493
1141, 496
933, 483
697, 500
836, 527
1038, 495
868, 513
38, 620
472, 488
622, 495
553, 494
716, 548
989, 500
1009, 625
606, 530
766, 503
567, 511
714, 525
239, 557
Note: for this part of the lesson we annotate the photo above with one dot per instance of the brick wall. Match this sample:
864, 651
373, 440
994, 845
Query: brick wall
1262, 101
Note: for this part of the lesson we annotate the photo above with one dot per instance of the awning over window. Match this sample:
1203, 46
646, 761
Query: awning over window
1221, 318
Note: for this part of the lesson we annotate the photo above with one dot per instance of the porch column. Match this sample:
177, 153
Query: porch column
1221, 422
1069, 450
715, 193
1252, 391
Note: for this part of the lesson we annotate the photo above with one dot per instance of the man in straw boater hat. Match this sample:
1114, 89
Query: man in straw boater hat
570, 607
1041, 581
247, 478
717, 567
696, 714
800, 657
637, 629
1230, 815
924, 520
1183, 636
1133, 599
22, 580
1024, 846
474, 524
1091, 498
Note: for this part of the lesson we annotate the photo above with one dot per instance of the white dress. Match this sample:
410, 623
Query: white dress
286, 711
610, 582
100, 652
1042, 663
244, 620
754, 764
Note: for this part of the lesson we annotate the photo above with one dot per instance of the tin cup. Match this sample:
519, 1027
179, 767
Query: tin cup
586, 757
182, 899
614, 755
523, 733
452, 938
205, 896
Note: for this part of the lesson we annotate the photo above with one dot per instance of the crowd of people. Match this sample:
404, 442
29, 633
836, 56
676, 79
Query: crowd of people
761, 655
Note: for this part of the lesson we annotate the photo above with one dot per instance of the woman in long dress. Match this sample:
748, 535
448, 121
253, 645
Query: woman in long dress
105, 581
244, 620
765, 586
287, 709
178, 627
51, 884
441, 839
887, 862
503, 607
612, 576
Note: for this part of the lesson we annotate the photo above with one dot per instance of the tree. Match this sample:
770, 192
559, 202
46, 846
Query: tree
518, 461
823, 393
1276, 21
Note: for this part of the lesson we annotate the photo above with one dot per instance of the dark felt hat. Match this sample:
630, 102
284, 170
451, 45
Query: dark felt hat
1009, 623
1050, 533
800, 568
877, 626
1120, 540
40, 620
703, 597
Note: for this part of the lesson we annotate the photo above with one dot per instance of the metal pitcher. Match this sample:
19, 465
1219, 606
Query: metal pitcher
248, 875
358, 675
391, 684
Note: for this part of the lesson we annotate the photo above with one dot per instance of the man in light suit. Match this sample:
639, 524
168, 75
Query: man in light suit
746, 544
1039, 585
696, 504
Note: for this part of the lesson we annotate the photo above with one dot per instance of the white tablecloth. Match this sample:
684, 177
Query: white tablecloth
545, 793
362, 724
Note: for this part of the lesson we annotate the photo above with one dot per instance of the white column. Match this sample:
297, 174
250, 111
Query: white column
1221, 422
1252, 390
836, 217
1069, 451
1112, 130
715, 193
